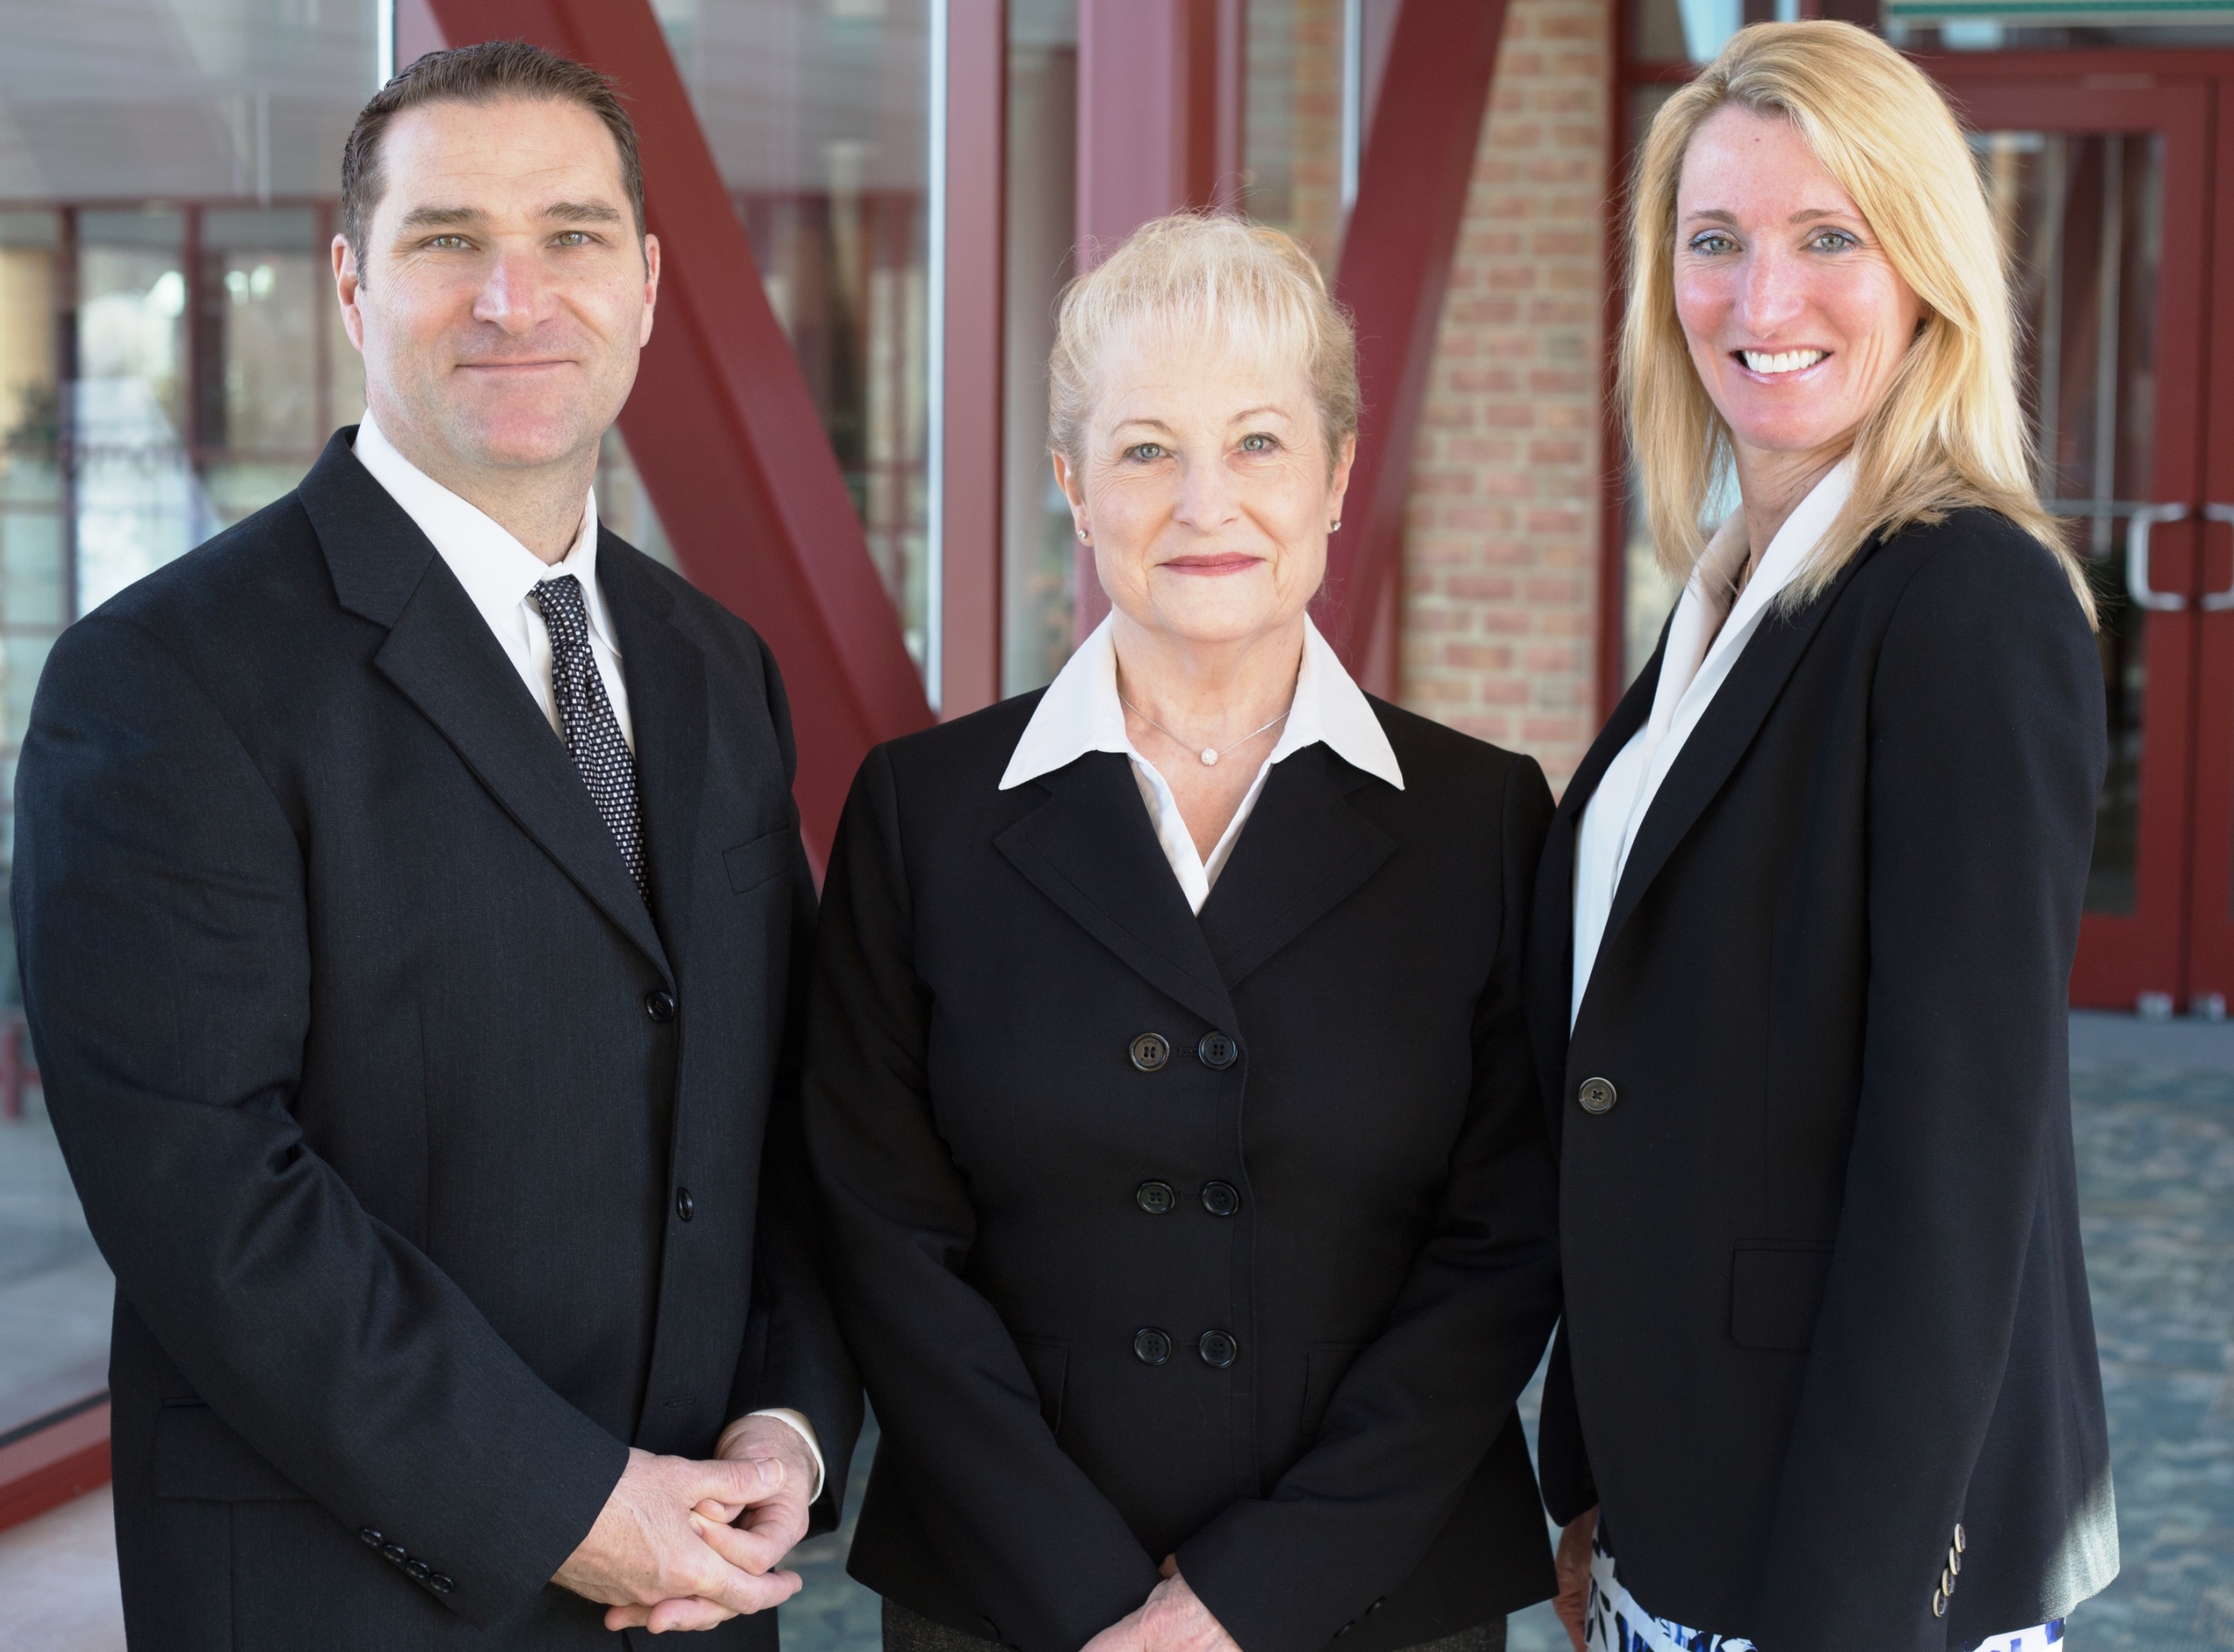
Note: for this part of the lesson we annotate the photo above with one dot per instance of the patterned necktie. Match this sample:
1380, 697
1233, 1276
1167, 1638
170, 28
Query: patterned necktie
593, 734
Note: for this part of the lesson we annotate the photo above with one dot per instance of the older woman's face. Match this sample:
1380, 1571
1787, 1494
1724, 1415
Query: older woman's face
1796, 318
1204, 491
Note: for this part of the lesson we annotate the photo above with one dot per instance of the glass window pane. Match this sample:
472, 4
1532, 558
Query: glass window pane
1039, 562
817, 112
170, 361
2081, 217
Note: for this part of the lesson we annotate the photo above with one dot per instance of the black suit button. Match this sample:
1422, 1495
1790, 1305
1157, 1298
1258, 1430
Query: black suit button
396, 1553
659, 1004
440, 1585
1376, 1605
418, 1570
1150, 1051
1150, 1345
370, 1536
1220, 1198
683, 1204
1155, 1198
1217, 1348
1217, 1051
1597, 1095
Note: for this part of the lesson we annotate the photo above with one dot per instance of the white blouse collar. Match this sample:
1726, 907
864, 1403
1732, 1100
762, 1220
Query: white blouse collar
1081, 713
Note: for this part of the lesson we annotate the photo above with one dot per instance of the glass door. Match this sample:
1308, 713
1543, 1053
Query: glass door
2099, 190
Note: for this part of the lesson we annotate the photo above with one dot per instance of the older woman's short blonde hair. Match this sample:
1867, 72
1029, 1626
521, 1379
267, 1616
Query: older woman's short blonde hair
1949, 432
1212, 277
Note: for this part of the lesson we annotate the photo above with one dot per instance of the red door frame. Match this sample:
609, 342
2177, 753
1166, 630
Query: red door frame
2123, 955
2210, 900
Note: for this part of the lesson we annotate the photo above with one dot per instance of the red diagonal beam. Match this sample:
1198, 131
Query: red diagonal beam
1396, 265
721, 425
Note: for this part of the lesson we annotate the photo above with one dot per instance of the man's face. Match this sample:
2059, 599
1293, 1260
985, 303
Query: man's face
504, 296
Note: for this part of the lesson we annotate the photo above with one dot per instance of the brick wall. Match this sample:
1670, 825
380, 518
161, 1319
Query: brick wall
1501, 539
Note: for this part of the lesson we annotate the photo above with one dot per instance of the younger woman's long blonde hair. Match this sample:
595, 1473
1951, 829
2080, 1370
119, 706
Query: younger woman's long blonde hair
1949, 432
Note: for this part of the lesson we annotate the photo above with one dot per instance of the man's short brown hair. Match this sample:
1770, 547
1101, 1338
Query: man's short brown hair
482, 73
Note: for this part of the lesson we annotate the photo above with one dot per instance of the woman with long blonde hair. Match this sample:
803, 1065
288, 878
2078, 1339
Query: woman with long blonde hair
1827, 1376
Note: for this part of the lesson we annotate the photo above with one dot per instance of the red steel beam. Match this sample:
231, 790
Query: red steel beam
721, 425
1160, 127
970, 537
1396, 265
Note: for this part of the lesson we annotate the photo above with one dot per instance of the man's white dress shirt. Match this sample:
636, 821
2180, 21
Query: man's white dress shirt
1081, 713
1704, 641
498, 573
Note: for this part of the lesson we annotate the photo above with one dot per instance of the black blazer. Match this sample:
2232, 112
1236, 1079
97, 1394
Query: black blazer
1267, 1304
1824, 1293
383, 1089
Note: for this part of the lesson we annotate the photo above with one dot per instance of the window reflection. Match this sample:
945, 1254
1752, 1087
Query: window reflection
817, 112
170, 362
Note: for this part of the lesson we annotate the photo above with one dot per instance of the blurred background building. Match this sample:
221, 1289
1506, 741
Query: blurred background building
901, 187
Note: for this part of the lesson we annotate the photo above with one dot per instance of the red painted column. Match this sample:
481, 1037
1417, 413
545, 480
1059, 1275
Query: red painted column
976, 153
1396, 265
721, 425
1159, 126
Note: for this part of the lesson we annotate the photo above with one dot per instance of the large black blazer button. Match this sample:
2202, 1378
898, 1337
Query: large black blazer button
1597, 1095
685, 1207
1155, 1198
1220, 1198
1217, 1348
659, 1004
1150, 1051
1218, 1050
1150, 1345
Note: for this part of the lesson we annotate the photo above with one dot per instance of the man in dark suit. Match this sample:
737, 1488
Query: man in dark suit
410, 902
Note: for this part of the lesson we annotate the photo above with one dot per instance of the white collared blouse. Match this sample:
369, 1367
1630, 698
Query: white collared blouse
1081, 713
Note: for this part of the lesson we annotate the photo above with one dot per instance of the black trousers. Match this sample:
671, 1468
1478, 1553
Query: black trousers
906, 1631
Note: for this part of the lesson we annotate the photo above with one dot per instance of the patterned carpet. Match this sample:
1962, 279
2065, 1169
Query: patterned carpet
2156, 1158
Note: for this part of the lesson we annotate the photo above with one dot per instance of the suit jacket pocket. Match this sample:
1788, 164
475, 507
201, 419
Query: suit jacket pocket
1049, 1364
198, 1458
1323, 1367
750, 865
1776, 1290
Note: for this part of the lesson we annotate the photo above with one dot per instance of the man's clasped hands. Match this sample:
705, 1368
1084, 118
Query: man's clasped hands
685, 1546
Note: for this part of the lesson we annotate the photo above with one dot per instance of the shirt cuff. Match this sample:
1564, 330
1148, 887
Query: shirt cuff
796, 1421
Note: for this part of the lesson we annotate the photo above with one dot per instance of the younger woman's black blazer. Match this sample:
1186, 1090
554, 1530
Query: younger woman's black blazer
1260, 1289
1823, 1294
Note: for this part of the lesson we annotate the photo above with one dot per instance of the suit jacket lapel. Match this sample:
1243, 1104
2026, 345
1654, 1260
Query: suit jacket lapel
1712, 752
666, 677
1091, 851
1304, 850
440, 654
1550, 981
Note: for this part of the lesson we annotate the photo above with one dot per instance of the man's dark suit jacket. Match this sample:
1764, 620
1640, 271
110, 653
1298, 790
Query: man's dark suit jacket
1033, 1237
430, 1163
1825, 1299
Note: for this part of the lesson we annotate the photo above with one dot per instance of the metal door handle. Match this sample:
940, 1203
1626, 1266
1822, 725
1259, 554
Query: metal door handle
2137, 558
2218, 601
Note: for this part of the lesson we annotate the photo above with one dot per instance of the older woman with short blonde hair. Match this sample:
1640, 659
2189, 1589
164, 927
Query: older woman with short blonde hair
1826, 1377
1190, 1214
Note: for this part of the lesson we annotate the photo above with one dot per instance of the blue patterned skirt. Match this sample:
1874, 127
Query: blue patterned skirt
1613, 1621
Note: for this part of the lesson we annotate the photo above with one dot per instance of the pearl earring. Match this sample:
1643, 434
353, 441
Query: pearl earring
1335, 527
1082, 539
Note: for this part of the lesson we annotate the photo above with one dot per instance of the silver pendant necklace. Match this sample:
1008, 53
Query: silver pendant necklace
1210, 754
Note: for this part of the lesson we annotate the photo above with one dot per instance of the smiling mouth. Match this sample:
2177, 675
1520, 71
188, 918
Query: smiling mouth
1770, 364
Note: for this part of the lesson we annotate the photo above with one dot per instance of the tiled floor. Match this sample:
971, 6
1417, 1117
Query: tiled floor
2153, 1110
